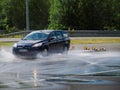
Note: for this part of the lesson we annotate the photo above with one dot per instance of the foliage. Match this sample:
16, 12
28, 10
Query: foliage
55, 15
85, 14
3, 18
15, 14
39, 13
60, 14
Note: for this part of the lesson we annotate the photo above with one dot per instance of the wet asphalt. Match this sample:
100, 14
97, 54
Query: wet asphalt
78, 70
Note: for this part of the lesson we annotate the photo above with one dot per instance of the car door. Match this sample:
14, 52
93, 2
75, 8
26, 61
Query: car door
60, 40
52, 42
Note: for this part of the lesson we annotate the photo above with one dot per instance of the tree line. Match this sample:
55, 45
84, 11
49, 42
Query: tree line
60, 14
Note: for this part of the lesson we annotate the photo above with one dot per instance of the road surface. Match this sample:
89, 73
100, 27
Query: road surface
78, 70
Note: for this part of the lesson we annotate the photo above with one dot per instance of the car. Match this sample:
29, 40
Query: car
42, 42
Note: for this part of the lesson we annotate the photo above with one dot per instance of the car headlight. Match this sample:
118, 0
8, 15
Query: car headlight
37, 45
15, 45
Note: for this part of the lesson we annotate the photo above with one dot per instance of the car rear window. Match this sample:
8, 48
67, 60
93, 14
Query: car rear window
65, 34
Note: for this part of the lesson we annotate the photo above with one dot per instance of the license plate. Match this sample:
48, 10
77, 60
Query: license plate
23, 50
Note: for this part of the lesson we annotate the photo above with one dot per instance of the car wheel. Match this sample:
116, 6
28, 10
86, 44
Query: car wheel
65, 50
45, 52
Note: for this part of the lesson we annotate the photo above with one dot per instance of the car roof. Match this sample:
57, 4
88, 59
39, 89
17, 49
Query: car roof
45, 31
42, 31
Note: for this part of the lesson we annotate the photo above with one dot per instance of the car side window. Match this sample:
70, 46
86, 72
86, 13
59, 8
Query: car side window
59, 35
52, 35
65, 34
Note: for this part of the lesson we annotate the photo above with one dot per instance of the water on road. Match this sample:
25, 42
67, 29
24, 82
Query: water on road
57, 70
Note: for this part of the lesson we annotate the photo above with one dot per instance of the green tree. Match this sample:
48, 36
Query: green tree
90, 16
116, 9
70, 13
15, 11
108, 14
3, 18
39, 13
83, 14
63, 14
60, 14
55, 15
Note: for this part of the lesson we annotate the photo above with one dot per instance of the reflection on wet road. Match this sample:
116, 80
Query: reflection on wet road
58, 69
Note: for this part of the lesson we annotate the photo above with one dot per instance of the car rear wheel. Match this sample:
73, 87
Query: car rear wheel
65, 50
45, 52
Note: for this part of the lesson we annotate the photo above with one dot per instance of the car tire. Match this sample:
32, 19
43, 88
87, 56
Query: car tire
65, 50
44, 52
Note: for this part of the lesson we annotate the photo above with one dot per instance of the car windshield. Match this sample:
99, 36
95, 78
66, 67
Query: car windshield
36, 36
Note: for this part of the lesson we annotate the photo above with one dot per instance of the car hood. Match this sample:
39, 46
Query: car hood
28, 42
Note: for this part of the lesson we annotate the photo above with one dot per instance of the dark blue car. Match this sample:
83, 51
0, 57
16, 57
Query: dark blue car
42, 42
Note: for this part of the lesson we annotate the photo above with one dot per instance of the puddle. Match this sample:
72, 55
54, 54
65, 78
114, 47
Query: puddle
57, 69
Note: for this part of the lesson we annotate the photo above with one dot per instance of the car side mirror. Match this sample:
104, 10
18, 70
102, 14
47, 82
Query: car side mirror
52, 38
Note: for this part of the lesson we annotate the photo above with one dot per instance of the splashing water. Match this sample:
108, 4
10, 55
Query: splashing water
56, 67
6, 55
75, 62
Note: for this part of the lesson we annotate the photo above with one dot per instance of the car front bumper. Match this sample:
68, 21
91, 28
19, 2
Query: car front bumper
26, 52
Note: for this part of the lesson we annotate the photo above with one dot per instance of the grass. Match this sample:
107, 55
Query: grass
95, 41
2, 85
6, 43
80, 41
16, 36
